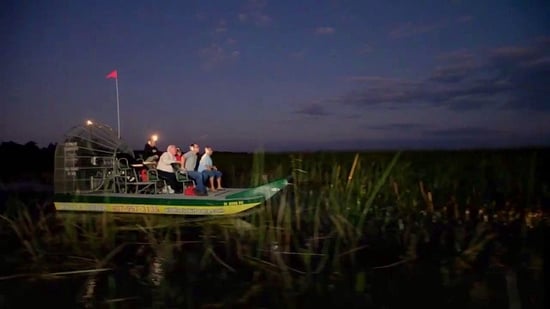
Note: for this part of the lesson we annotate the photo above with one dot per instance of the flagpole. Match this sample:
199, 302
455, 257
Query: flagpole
114, 74
117, 106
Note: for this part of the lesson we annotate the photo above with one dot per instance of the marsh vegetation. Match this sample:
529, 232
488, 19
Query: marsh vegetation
381, 230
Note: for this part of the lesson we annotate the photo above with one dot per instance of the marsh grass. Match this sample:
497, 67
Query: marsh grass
355, 229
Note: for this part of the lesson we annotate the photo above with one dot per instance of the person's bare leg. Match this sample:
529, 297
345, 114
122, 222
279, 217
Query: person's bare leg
211, 180
220, 183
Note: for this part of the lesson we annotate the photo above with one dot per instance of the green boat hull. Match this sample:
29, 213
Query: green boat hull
227, 202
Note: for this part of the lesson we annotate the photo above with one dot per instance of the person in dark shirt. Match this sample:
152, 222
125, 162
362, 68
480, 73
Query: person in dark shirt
150, 152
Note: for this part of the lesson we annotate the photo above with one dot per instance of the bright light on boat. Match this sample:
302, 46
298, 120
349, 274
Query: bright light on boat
89, 122
154, 137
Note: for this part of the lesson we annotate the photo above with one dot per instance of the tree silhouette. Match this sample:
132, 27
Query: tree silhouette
26, 162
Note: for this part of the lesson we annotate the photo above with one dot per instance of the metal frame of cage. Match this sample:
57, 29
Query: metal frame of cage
86, 159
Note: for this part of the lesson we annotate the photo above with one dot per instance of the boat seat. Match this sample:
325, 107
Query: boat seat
181, 176
151, 185
153, 176
125, 170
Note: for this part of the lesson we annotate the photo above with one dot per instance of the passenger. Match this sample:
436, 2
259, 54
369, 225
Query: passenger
179, 154
166, 171
150, 151
189, 163
209, 170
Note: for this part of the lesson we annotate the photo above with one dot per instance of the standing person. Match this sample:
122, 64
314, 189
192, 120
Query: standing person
165, 169
150, 151
209, 170
189, 163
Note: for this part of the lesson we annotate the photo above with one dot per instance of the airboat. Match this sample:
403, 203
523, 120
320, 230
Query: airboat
96, 171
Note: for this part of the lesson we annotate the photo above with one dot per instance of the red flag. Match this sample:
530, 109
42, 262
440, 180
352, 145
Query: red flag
113, 74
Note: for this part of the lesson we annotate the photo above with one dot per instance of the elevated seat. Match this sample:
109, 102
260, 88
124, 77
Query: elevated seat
151, 185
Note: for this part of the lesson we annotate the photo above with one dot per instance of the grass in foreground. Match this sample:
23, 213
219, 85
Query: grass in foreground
349, 231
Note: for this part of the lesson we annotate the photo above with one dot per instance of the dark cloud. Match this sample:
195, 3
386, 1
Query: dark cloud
378, 90
325, 30
411, 29
455, 67
313, 110
396, 126
396, 143
464, 19
215, 56
465, 132
255, 11
480, 137
516, 77
527, 72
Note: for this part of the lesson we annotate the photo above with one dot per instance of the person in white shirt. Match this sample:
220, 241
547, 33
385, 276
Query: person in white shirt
166, 170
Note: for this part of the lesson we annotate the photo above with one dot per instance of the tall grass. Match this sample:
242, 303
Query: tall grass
346, 226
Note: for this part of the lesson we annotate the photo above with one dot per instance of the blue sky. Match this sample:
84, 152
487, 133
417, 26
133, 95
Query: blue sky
280, 75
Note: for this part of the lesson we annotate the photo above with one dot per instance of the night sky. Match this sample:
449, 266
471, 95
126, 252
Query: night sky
280, 75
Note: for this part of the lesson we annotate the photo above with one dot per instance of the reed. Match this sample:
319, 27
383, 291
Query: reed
345, 219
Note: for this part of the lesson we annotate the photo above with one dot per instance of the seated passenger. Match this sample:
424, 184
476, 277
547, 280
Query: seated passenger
179, 154
166, 171
209, 170
189, 162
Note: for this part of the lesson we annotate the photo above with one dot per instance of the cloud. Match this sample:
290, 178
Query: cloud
455, 66
465, 132
222, 51
396, 126
313, 109
300, 54
222, 27
325, 30
366, 49
412, 29
512, 77
254, 12
201, 17
475, 136
216, 55
379, 90
464, 19
379, 79
397, 143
